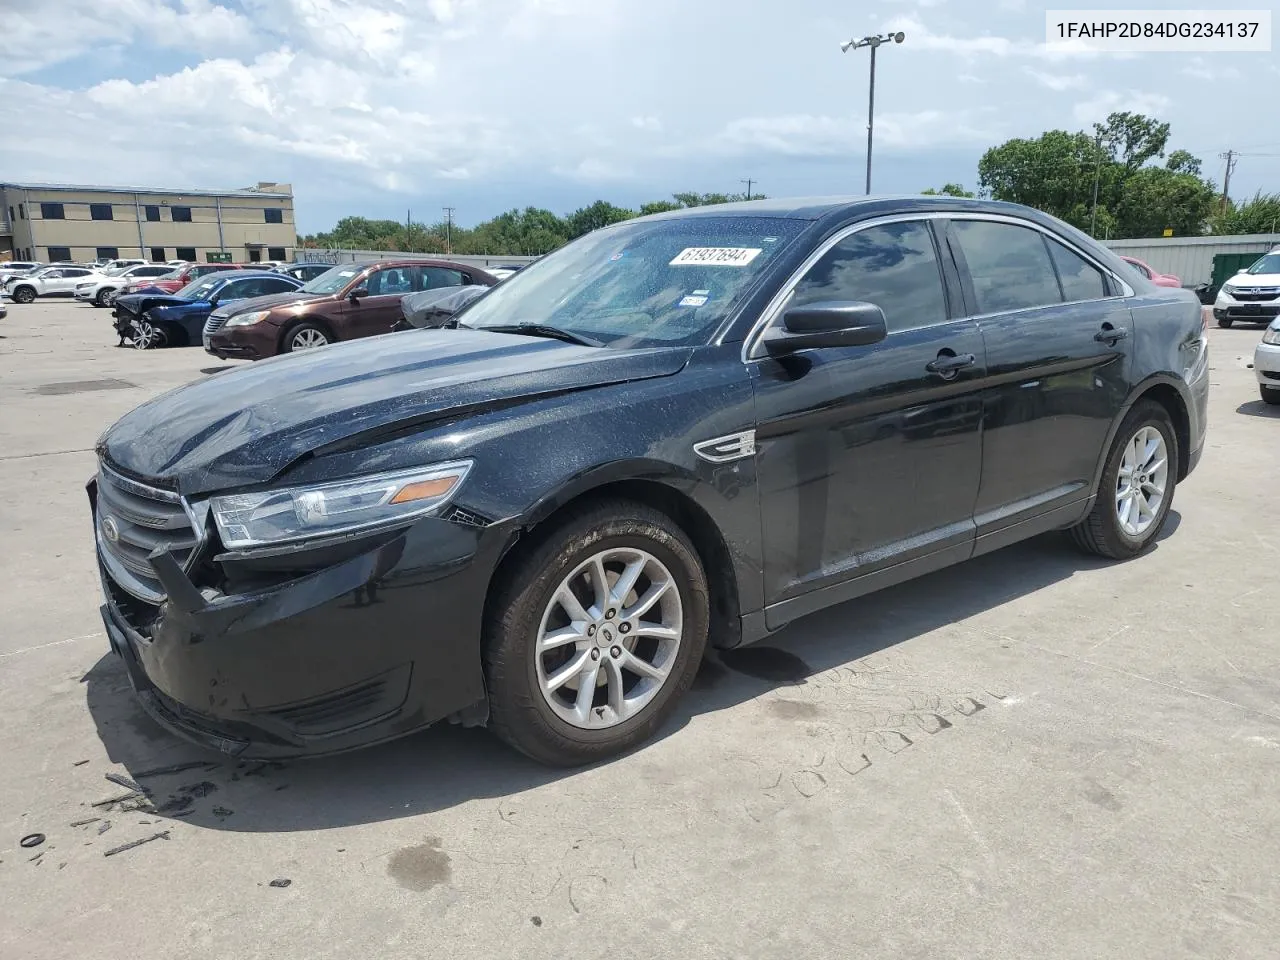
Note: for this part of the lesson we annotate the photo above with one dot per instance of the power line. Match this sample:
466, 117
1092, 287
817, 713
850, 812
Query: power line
748, 182
448, 229
1231, 157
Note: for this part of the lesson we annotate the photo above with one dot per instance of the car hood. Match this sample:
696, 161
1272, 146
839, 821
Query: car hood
267, 302
130, 301
1245, 280
246, 425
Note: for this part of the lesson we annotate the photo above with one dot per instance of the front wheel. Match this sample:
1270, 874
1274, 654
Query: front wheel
24, 295
1269, 394
1137, 486
305, 336
104, 298
595, 634
149, 336
1225, 323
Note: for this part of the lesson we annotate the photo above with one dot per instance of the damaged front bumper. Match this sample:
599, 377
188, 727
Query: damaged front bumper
373, 646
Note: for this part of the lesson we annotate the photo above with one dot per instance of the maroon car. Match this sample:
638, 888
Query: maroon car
348, 301
179, 278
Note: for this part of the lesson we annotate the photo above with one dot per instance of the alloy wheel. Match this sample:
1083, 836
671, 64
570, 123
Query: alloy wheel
1142, 481
609, 638
308, 339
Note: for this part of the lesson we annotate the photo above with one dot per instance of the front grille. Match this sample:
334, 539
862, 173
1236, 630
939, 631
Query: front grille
1271, 376
214, 323
1262, 295
132, 519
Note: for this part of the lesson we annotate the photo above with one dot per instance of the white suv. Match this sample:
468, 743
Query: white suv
100, 289
47, 282
1252, 295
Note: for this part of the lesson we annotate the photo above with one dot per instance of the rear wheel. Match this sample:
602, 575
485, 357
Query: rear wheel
23, 294
1269, 394
1137, 486
595, 635
1225, 323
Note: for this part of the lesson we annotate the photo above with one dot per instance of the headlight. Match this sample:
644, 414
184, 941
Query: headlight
1272, 336
365, 503
246, 319
1229, 290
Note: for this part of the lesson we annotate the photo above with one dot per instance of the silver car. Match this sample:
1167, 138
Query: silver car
1266, 363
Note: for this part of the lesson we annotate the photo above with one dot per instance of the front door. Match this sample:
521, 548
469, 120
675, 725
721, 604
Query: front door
869, 457
379, 309
1058, 345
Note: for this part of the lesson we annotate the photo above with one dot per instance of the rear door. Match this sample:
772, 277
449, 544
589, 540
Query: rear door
1058, 337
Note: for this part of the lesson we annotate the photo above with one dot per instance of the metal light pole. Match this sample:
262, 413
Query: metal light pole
873, 42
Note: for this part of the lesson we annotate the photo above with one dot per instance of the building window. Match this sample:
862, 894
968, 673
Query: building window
157, 254
108, 253
153, 214
52, 211
100, 211
22, 215
181, 214
59, 254
274, 215
255, 256
275, 253
185, 253
11, 216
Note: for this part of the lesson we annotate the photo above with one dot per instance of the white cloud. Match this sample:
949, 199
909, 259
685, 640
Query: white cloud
969, 78
1096, 109
992, 45
594, 169
806, 135
1200, 69
652, 124
1056, 81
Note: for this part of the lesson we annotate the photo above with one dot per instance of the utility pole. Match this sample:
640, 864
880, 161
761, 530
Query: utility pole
748, 182
408, 240
1231, 157
448, 229
1097, 175
874, 42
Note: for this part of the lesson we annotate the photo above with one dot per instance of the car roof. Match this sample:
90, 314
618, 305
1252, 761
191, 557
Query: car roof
238, 274
819, 208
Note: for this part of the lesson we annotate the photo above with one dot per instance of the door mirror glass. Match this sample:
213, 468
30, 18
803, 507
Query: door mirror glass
830, 323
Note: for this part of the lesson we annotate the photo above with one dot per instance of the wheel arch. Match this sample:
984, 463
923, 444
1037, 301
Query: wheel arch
655, 484
286, 329
1172, 394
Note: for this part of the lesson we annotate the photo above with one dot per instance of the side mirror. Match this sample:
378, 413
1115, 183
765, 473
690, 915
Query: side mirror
356, 294
833, 323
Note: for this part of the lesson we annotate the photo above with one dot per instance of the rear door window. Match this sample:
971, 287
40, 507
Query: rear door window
1009, 265
894, 266
390, 281
1081, 280
435, 277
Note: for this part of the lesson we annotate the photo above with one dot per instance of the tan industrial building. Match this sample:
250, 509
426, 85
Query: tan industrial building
53, 221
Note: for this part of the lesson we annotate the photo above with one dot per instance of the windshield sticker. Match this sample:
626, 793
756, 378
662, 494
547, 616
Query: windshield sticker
693, 301
702, 293
715, 257
770, 240
617, 256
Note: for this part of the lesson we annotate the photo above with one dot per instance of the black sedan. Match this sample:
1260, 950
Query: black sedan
681, 430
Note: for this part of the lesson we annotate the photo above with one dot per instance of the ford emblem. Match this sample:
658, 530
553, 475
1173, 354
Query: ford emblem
110, 530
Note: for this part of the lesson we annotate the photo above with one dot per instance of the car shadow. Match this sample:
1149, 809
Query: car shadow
1259, 408
448, 765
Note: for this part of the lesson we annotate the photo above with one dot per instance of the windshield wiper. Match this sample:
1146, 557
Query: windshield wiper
543, 330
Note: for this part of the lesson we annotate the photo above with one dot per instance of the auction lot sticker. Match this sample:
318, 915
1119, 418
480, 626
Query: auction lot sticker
715, 256
1159, 31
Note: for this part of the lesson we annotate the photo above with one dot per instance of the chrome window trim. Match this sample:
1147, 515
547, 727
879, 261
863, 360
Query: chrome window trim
751, 344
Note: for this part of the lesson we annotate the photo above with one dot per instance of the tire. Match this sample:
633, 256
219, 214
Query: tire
149, 336
101, 299
1102, 532
23, 294
319, 336
1269, 394
520, 712
1225, 323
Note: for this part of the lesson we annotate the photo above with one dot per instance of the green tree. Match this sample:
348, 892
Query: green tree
1180, 161
1132, 139
1261, 214
599, 214
948, 190
658, 206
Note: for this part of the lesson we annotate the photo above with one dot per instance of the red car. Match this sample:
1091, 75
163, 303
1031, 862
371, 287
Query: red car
173, 282
1159, 279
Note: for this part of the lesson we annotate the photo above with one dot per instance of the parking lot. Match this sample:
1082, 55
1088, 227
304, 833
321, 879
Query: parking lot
1035, 754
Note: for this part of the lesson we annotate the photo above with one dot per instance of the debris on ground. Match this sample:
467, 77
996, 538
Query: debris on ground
80, 763
31, 840
36, 858
176, 768
282, 882
106, 825
537, 921
122, 780
85, 823
120, 799
162, 835
222, 812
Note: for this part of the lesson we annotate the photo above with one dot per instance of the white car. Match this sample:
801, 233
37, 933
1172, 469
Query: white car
176, 263
1266, 363
14, 268
1252, 295
101, 288
45, 282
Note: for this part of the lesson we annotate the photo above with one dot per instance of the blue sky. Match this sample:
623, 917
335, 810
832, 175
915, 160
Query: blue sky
377, 106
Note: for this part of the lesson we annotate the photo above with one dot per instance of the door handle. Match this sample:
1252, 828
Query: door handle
949, 364
1110, 335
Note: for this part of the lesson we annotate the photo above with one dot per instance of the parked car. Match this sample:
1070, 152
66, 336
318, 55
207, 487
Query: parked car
100, 289
679, 430
345, 302
306, 272
1252, 295
45, 282
177, 263
1266, 363
15, 268
435, 308
177, 279
1159, 279
121, 264
158, 320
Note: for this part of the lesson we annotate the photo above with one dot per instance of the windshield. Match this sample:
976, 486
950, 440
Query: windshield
333, 279
650, 283
1268, 264
171, 275
201, 289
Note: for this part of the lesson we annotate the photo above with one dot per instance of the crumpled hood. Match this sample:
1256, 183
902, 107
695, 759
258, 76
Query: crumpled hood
246, 425
132, 301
